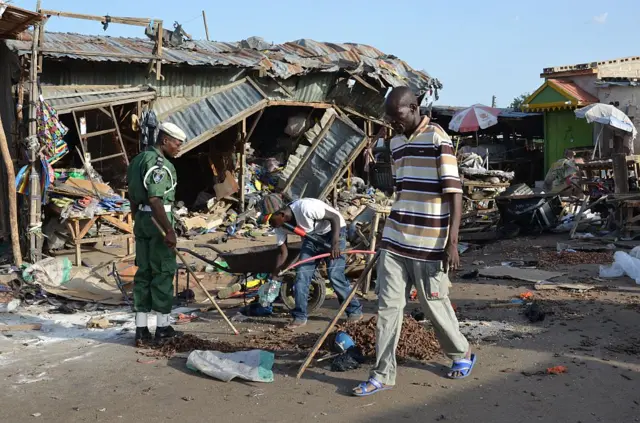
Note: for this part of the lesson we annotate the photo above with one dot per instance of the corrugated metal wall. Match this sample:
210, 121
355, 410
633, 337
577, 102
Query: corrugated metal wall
179, 81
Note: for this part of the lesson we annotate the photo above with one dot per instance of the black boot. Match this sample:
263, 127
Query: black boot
166, 332
143, 335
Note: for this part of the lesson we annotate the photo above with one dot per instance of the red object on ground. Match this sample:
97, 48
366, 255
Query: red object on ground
557, 370
526, 295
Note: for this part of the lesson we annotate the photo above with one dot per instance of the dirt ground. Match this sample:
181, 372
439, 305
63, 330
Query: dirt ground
595, 334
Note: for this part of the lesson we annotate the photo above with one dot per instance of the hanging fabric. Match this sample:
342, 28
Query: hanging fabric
149, 129
50, 131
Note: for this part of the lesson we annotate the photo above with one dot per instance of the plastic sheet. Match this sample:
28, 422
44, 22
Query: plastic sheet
623, 264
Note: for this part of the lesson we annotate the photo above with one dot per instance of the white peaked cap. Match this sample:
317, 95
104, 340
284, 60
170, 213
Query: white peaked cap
172, 130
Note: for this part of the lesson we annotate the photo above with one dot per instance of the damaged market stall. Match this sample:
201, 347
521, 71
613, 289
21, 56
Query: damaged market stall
101, 90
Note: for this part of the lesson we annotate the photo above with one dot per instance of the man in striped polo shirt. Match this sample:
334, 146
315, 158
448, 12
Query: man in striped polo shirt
419, 241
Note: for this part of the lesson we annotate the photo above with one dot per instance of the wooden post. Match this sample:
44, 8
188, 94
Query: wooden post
242, 134
77, 238
115, 122
159, 53
206, 28
13, 208
373, 237
35, 201
333, 323
620, 173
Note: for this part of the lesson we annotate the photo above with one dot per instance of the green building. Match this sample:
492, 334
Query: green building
557, 99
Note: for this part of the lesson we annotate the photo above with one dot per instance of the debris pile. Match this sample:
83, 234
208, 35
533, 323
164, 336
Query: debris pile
273, 341
551, 260
416, 342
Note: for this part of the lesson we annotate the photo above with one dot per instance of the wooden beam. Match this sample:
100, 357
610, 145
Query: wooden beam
11, 193
111, 156
242, 136
86, 228
112, 19
98, 133
15, 328
80, 137
159, 53
105, 238
620, 173
103, 110
300, 104
115, 122
253, 126
124, 227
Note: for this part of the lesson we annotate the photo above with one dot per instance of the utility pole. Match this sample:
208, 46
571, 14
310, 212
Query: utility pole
206, 28
493, 101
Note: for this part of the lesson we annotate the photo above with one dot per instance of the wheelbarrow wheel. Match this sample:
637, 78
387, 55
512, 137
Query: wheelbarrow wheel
317, 292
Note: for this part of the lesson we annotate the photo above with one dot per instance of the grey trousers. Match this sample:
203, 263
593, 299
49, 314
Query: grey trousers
396, 276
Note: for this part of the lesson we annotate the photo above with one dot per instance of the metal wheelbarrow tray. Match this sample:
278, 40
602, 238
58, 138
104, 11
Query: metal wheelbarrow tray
260, 259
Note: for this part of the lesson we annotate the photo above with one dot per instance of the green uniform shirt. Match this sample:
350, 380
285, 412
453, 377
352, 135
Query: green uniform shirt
151, 175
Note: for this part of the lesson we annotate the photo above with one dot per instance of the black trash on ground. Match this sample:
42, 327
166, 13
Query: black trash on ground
349, 360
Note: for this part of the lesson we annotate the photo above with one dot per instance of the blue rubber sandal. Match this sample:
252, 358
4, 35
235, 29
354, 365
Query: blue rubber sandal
463, 366
363, 388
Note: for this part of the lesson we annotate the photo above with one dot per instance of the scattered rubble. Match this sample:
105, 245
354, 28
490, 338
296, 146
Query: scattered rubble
551, 260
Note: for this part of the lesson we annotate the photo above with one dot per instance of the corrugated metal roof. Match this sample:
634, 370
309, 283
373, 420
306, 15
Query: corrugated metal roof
66, 99
215, 112
574, 91
14, 20
281, 61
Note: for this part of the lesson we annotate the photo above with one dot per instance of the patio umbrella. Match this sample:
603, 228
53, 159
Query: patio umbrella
607, 114
474, 118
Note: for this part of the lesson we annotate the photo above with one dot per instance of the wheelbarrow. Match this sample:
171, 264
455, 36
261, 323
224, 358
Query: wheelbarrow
260, 260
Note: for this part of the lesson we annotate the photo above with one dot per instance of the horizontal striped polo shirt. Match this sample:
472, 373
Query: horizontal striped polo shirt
424, 168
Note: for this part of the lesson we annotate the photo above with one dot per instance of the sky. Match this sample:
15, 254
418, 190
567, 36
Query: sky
477, 49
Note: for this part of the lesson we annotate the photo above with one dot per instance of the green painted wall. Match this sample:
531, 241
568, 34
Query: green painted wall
560, 128
548, 95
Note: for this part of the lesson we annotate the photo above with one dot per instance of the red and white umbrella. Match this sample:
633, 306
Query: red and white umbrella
474, 118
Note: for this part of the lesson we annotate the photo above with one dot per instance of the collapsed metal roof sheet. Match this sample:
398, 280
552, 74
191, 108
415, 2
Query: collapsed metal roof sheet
335, 147
207, 117
281, 61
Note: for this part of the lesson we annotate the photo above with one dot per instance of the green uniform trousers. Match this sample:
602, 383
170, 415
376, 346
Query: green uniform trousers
153, 282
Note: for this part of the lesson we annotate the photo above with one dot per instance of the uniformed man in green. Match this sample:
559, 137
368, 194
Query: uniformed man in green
152, 181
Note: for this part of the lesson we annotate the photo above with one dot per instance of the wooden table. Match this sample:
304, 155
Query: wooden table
80, 227
470, 185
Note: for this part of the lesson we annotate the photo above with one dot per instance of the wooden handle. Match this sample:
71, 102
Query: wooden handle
344, 306
184, 261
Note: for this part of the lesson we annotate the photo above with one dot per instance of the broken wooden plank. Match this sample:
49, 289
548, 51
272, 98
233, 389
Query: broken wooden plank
15, 328
547, 285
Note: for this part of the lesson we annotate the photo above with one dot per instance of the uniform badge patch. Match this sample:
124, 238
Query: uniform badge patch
158, 175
